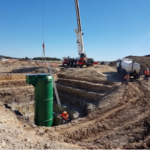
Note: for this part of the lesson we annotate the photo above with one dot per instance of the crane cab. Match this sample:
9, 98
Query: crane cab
83, 57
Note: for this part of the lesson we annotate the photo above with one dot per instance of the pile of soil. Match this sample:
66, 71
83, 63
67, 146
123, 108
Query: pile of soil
82, 73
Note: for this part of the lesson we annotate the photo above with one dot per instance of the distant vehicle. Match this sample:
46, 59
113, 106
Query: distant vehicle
126, 65
30, 60
74, 62
3, 59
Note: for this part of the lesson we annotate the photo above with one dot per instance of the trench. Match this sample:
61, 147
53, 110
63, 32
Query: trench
27, 111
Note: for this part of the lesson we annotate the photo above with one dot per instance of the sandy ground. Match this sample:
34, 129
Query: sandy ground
120, 119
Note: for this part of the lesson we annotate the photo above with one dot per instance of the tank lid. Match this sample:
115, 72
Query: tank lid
31, 74
43, 74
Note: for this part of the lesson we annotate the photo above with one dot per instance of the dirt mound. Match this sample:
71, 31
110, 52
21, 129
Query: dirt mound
85, 73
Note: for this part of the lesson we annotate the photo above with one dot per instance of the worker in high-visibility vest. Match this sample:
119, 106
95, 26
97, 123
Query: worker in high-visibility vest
126, 78
147, 73
65, 116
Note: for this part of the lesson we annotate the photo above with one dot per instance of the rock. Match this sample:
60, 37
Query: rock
26, 144
3, 143
27, 139
61, 140
47, 145
4, 130
89, 108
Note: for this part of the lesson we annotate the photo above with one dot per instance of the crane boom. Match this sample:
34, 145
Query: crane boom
78, 32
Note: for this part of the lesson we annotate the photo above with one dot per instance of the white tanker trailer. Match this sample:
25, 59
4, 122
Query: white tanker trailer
125, 66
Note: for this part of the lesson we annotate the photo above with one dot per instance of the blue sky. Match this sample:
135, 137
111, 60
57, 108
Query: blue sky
112, 28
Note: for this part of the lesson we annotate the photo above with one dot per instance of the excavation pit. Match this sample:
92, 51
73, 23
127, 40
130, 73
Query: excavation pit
27, 111
79, 93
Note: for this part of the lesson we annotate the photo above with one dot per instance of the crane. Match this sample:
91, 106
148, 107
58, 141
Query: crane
82, 60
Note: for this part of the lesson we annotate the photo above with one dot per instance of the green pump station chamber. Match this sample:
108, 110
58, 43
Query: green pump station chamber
43, 96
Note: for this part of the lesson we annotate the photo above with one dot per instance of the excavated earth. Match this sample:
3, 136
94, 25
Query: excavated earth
105, 114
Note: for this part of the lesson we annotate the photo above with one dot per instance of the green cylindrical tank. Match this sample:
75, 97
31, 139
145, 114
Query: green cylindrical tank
43, 96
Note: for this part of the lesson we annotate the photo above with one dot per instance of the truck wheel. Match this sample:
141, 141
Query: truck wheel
137, 77
118, 70
70, 64
87, 65
74, 64
81, 66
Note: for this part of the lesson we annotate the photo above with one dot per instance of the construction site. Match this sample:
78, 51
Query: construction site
103, 113
75, 103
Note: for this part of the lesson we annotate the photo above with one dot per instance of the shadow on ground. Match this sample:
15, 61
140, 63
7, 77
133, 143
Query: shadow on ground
113, 76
